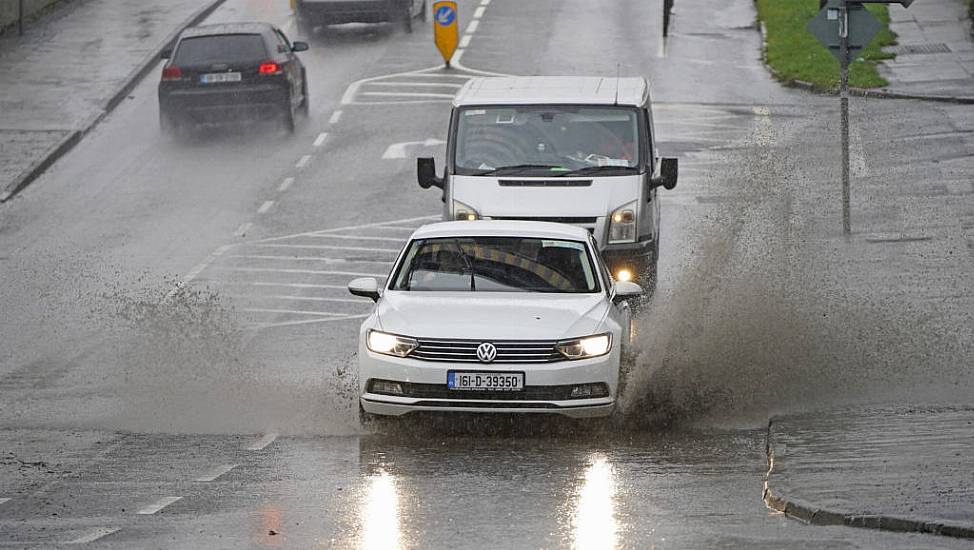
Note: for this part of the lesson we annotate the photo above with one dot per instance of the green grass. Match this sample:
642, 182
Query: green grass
794, 54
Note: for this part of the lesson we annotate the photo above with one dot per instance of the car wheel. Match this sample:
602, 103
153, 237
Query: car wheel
305, 100
287, 115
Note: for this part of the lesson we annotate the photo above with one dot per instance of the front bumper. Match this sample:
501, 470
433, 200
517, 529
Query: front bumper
639, 258
538, 379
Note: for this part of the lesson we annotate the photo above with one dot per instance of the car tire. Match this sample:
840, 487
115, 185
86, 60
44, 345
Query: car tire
287, 115
305, 100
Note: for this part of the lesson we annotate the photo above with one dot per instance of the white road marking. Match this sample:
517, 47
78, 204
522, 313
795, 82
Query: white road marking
285, 185
465, 41
335, 117
761, 111
298, 285
398, 150
479, 12
332, 247
300, 271
262, 443
216, 472
320, 140
188, 278
310, 321
265, 207
310, 299
158, 505
409, 94
303, 161
308, 259
94, 535
376, 225
243, 229
293, 312
2, 500
418, 84
358, 237
472, 27
484, 2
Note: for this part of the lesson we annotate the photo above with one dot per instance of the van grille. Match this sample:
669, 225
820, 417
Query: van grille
564, 219
545, 183
508, 351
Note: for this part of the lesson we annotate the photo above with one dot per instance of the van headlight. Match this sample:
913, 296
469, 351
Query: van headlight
463, 212
583, 348
390, 344
622, 224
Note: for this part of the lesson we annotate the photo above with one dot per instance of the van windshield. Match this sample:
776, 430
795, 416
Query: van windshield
497, 264
547, 140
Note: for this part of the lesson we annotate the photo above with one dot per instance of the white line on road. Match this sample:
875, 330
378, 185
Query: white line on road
199, 269
94, 535
465, 41
320, 140
262, 442
265, 207
332, 247
310, 321
335, 117
158, 505
357, 237
410, 94
243, 229
285, 185
484, 2
299, 285
301, 271
293, 312
307, 259
479, 12
2, 500
418, 84
216, 472
314, 299
472, 27
374, 225
303, 161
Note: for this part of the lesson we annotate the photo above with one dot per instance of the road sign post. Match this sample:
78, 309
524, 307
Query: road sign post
845, 27
445, 33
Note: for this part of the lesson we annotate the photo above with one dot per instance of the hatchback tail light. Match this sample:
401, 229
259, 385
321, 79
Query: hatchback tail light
269, 68
172, 73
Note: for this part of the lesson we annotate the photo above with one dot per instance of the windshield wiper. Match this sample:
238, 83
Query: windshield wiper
468, 264
517, 167
597, 169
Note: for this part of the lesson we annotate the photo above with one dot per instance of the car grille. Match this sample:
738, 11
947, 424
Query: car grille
508, 351
530, 393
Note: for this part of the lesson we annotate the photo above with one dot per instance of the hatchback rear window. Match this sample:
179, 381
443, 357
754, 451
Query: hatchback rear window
224, 48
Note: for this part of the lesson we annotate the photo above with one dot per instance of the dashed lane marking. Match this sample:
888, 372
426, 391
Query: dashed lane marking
243, 229
262, 442
484, 2
265, 207
335, 117
303, 161
479, 12
298, 271
188, 278
158, 505
94, 535
472, 27
465, 41
215, 473
285, 185
320, 140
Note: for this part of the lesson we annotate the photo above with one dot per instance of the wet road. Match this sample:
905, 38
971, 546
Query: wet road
223, 415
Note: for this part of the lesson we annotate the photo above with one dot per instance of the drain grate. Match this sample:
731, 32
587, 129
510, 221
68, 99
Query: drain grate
908, 49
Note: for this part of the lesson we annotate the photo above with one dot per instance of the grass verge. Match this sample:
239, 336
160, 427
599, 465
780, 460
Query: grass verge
794, 54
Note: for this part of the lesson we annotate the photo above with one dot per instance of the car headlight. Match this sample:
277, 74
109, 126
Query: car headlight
583, 348
463, 212
390, 344
622, 224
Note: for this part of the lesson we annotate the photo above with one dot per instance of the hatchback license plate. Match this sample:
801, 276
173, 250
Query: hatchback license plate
213, 78
485, 381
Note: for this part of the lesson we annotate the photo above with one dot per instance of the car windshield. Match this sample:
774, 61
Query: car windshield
223, 48
547, 140
497, 264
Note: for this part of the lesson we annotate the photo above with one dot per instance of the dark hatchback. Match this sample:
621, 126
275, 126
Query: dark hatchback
232, 73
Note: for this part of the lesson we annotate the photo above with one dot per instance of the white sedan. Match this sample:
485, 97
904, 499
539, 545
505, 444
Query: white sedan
495, 317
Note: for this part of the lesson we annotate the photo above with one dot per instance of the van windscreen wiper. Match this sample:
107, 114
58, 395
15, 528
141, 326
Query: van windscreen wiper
605, 170
514, 168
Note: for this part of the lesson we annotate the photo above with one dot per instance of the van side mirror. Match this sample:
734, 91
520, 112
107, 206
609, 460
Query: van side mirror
366, 287
297, 46
668, 171
426, 173
166, 53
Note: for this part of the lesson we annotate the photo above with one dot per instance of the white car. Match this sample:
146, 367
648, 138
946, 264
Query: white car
495, 317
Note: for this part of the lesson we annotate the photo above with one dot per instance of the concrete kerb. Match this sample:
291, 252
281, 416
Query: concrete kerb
130, 82
859, 92
813, 515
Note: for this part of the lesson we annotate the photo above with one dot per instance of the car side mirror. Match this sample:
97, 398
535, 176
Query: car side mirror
299, 46
426, 173
165, 54
668, 171
626, 289
366, 287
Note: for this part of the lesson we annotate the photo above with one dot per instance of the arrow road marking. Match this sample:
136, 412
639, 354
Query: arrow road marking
398, 150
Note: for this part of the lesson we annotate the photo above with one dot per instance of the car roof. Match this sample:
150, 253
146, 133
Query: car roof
552, 90
501, 228
228, 28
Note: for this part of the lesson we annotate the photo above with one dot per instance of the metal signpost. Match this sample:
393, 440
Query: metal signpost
845, 27
445, 33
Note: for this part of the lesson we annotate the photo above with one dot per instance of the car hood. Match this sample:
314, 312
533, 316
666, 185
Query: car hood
486, 195
492, 315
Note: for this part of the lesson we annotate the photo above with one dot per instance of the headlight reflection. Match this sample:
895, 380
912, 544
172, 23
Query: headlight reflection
594, 519
380, 514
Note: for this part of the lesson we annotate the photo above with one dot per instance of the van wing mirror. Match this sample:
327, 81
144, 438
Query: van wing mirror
668, 171
426, 173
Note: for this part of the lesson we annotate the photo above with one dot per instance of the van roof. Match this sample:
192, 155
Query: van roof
549, 90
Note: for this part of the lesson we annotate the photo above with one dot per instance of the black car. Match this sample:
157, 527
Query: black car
311, 13
229, 73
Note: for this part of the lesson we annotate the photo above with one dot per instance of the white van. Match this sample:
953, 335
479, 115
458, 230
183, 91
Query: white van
577, 150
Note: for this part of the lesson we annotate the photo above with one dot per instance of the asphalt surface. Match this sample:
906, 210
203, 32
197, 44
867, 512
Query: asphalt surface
178, 349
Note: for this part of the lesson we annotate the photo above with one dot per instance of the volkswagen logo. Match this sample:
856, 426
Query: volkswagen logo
486, 352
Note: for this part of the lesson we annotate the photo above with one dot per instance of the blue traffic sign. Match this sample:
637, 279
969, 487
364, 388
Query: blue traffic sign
445, 16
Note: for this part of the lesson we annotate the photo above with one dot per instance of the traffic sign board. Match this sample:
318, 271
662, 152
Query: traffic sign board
445, 33
861, 28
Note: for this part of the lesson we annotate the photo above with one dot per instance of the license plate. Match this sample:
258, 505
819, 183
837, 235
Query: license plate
213, 78
485, 381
